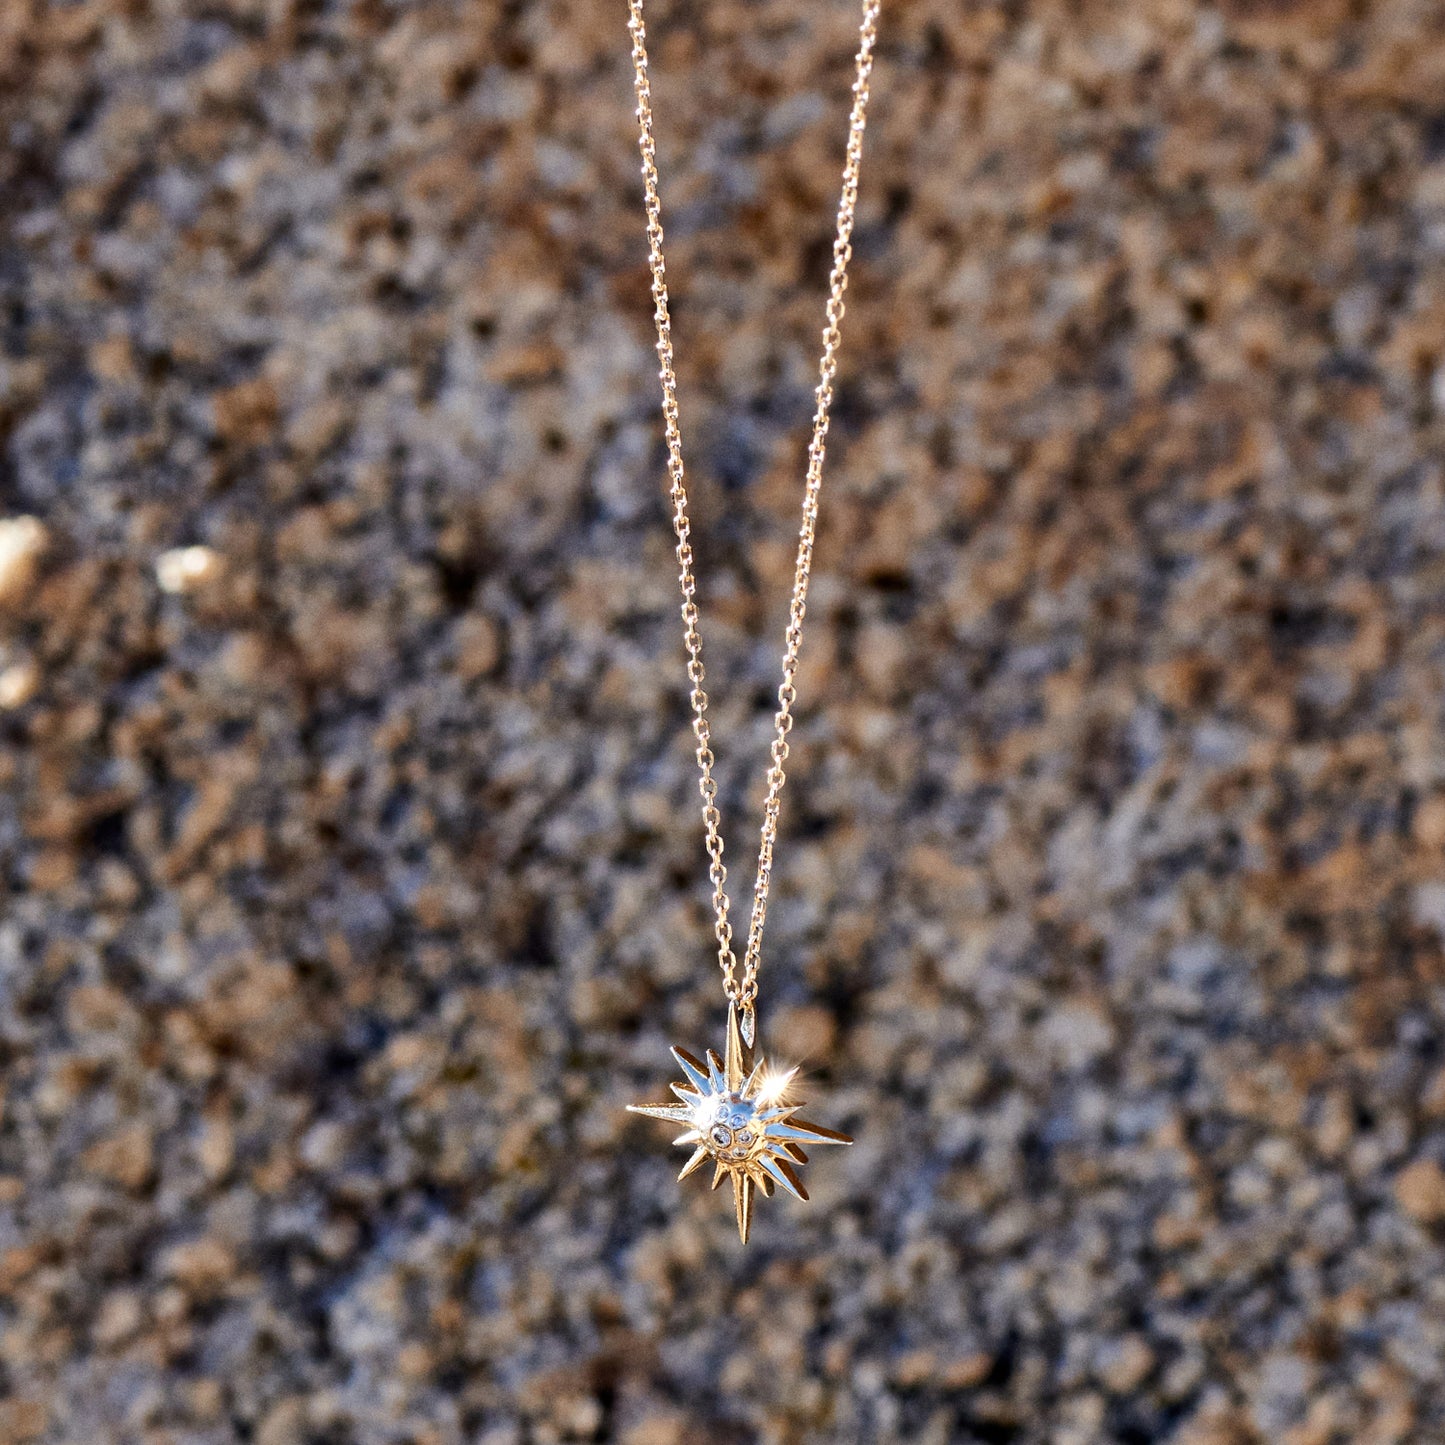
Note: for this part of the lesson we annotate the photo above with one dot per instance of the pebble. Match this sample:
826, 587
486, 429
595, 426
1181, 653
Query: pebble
183, 569
1420, 1188
22, 542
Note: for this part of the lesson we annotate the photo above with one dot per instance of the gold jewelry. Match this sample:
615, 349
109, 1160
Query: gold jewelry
737, 1112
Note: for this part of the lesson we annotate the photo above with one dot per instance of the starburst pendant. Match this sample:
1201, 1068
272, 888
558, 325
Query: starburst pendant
737, 1114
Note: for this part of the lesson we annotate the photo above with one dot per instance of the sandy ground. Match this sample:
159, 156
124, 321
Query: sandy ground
351, 866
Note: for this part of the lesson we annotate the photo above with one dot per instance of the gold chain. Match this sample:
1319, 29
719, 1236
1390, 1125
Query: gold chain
745, 992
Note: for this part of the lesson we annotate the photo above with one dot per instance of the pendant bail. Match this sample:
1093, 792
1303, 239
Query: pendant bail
747, 1024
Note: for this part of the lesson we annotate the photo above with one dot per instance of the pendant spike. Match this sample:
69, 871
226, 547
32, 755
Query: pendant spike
695, 1070
718, 1174
802, 1129
676, 1113
700, 1156
783, 1172
743, 1203
783, 1111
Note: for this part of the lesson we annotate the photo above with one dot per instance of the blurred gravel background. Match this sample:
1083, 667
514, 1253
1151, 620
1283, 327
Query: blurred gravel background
352, 873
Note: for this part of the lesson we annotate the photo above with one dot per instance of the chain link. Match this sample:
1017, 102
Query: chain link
744, 992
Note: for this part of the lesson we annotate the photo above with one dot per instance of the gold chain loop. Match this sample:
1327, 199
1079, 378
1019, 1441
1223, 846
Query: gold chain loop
744, 992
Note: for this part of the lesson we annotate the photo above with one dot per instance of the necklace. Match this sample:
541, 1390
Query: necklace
735, 1111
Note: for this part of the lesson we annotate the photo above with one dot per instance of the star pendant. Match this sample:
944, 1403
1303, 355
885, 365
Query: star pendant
736, 1113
